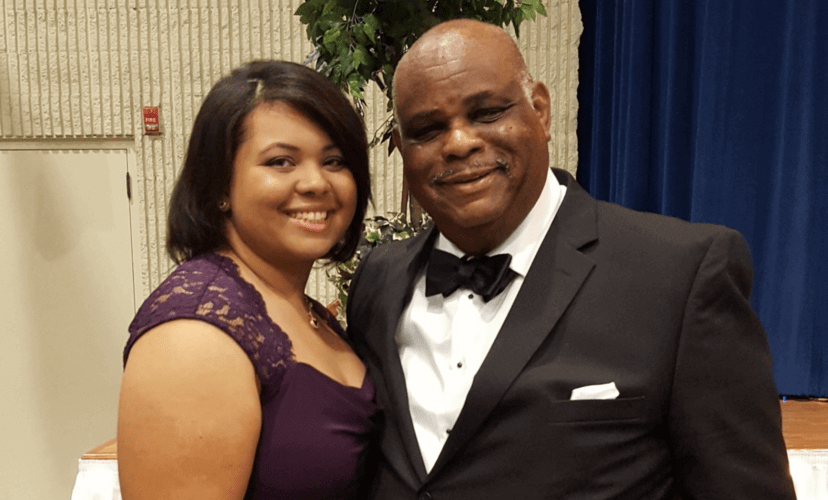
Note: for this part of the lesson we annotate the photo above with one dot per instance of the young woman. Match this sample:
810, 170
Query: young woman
236, 384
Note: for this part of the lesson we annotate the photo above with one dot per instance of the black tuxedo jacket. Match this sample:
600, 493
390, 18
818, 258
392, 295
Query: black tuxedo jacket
657, 305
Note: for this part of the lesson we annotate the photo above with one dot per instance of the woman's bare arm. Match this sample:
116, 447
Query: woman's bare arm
189, 415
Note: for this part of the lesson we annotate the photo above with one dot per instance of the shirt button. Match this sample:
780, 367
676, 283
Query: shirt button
471, 296
448, 431
459, 364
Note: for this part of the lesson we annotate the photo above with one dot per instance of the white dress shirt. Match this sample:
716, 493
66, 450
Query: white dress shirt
443, 341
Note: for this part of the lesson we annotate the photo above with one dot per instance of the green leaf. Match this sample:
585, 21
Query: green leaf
336, 75
335, 7
540, 8
344, 62
328, 20
496, 13
356, 92
306, 12
371, 25
528, 11
359, 56
330, 38
359, 35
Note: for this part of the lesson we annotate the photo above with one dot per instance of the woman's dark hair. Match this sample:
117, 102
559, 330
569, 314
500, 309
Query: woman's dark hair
196, 224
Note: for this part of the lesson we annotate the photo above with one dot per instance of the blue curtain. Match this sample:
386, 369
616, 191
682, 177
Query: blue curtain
717, 111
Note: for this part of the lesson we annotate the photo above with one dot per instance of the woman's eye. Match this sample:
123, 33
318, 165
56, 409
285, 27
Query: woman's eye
280, 162
335, 163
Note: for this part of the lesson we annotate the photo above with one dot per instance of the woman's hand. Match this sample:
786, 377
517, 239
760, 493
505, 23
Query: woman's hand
189, 415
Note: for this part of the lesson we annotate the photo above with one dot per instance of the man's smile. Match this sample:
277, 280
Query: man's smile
469, 175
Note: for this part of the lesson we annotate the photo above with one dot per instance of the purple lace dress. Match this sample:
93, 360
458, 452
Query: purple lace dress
316, 433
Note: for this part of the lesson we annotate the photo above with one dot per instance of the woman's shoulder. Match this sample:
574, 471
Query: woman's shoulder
195, 287
208, 288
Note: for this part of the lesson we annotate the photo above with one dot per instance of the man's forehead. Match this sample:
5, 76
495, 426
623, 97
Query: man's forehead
440, 47
461, 31
449, 45
451, 62
432, 62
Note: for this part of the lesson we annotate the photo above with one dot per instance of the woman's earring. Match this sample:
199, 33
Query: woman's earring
224, 206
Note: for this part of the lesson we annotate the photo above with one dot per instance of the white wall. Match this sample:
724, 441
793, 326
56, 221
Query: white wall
67, 292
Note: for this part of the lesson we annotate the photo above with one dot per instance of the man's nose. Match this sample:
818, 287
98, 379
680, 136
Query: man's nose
461, 142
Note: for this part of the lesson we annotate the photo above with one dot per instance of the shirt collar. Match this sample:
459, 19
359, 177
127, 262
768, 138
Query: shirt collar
524, 242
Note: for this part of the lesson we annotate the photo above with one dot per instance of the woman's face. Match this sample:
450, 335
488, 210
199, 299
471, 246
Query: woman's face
291, 195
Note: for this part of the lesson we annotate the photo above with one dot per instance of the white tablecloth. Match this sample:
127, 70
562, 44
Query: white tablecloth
809, 469
98, 479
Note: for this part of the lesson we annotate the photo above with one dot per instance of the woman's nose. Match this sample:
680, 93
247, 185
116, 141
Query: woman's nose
311, 179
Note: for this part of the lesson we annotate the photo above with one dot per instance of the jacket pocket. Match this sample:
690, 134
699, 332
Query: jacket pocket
595, 410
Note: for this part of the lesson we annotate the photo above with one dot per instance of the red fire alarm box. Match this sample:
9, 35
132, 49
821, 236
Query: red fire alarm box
151, 124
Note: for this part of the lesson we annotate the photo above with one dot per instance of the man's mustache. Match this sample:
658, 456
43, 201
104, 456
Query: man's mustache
499, 164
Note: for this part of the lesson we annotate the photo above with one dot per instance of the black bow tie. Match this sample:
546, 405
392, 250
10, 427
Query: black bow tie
485, 276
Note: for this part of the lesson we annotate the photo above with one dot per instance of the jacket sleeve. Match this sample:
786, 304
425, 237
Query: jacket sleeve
724, 419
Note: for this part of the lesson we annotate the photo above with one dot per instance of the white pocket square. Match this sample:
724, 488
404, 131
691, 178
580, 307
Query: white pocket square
600, 391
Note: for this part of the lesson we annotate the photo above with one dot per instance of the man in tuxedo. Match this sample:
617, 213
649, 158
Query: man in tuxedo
538, 343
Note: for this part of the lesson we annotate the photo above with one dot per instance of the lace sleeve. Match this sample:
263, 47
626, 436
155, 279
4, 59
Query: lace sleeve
209, 288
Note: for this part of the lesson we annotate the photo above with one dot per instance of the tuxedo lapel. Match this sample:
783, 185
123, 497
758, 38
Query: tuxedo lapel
396, 293
557, 273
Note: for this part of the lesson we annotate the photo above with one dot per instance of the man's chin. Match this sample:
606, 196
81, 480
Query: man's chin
469, 228
465, 218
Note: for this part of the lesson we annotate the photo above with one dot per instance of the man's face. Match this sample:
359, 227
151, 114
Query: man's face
473, 144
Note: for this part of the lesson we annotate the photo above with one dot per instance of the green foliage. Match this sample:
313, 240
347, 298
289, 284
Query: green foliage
376, 231
357, 41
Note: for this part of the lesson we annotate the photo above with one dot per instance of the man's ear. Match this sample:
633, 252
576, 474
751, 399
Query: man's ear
541, 103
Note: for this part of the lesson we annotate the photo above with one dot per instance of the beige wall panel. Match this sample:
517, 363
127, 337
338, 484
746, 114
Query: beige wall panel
67, 297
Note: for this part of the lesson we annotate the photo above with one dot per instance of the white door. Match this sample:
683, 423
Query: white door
66, 298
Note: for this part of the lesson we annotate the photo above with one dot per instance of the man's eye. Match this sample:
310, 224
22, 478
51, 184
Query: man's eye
488, 115
425, 134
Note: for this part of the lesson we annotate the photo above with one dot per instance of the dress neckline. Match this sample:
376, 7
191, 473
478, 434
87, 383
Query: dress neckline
364, 386
231, 267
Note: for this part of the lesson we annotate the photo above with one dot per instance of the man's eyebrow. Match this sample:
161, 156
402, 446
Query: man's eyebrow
434, 115
478, 97
425, 116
